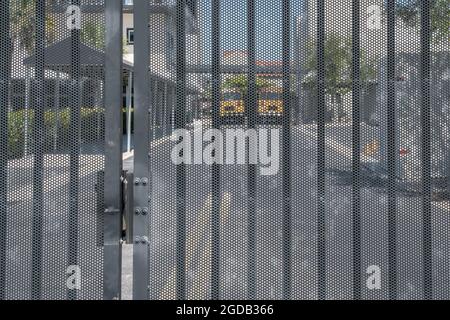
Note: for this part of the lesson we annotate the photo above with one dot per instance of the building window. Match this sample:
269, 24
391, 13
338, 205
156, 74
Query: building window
130, 36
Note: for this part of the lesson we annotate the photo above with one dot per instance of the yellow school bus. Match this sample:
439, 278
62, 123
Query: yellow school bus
270, 102
232, 104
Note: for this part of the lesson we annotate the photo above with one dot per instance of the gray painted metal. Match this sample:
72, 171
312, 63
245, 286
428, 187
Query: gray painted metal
142, 111
180, 123
5, 71
251, 107
302, 43
356, 165
112, 264
287, 153
128, 198
111, 180
391, 152
425, 74
215, 180
38, 98
321, 231
75, 106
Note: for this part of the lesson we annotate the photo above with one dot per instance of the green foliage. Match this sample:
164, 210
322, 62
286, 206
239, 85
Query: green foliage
338, 64
240, 83
93, 34
409, 12
23, 24
91, 125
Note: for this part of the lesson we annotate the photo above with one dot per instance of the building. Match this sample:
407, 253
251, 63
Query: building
162, 60
267, 69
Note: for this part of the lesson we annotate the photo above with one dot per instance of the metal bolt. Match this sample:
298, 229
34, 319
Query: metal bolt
144, 240
144, 181
137, 181
145, 211
138, 211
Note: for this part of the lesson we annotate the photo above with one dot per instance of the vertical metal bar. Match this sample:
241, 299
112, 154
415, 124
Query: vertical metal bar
165, 104
216, 82
129, 207
425, 62
391, 151
57, 104
287, 232
142, 111
302, 37
5, 73
180, 123
112, 264
38, 166
129, 105
321, 232
27, 110
356, 170
75, 105
251, 179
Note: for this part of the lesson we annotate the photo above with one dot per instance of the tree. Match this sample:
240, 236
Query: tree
409, 10
23, 25
240, 83
93, 34
338, 64
409, 115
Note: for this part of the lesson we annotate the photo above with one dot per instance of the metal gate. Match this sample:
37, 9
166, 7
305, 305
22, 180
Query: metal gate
282, 149
61, 83
351, 100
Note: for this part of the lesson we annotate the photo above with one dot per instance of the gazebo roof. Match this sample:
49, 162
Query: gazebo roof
58, 58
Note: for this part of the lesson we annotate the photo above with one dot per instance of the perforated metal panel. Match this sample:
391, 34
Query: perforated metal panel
52, 149
340, 189
354, 94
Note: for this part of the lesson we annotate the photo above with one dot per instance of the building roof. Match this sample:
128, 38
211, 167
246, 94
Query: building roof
58, 57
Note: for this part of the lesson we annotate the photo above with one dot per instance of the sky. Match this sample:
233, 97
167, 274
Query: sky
234, 29
234, 26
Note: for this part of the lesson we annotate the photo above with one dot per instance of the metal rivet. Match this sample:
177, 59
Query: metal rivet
145, 211
138, 211
137, 181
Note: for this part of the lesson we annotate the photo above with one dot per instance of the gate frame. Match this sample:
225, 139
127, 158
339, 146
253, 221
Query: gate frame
5, 73
142, 182
112, 259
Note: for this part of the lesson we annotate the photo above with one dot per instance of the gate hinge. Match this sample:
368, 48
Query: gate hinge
112, 211
128, 209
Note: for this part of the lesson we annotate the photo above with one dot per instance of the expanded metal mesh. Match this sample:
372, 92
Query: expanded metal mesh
52, 150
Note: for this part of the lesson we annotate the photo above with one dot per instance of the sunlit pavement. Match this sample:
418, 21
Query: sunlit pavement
269, 230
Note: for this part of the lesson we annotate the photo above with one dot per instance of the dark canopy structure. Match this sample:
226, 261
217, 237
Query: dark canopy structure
58, 58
